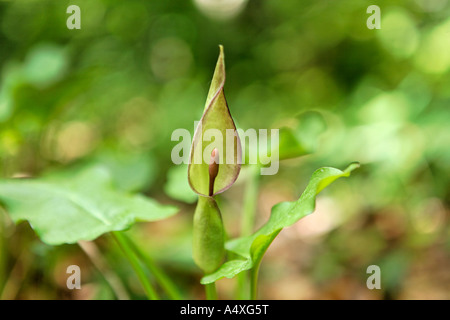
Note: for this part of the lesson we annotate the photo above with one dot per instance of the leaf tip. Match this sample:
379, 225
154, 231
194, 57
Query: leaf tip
221, 49
352, 166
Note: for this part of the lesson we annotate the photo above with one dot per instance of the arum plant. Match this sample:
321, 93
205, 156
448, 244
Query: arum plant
209, 175
76, 207
213, 168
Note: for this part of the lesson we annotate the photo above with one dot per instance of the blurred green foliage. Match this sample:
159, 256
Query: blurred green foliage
112, 92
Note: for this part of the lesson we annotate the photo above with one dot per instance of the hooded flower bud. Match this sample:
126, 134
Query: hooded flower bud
217, 132
213, 168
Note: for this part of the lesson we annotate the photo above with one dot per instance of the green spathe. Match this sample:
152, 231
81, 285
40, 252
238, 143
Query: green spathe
216, 119
208, 235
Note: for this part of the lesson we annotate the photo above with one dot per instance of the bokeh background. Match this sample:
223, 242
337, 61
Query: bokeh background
112, 92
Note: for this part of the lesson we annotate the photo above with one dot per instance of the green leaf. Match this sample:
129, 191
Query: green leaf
300, 138
177, 187
289, 145
284, 214
303, 138
84, 207
216, 120
130, 172
228, 270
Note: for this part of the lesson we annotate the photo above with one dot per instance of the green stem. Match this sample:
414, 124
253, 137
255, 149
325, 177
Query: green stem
165, 282
135, 263
210, 289
250, 201
254, 281
254, 272
242, 284
248, 221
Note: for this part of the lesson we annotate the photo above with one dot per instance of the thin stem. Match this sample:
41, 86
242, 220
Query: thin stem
242, 284
17, 276
210, 289
165, 282
94, 254
135, 263
256, 264
254, 281
250, 201
248, 221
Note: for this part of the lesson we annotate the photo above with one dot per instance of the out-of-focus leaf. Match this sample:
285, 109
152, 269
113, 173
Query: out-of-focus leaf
216, 120
129, 172
293, 141
303, 138
84, 207
177, 187
283, 214
289, 145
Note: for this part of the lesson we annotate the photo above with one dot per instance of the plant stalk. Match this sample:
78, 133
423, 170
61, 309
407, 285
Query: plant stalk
211, 292
165, 282
94, 254
136, 265
250, 201
254, 272
248, 222
254, 282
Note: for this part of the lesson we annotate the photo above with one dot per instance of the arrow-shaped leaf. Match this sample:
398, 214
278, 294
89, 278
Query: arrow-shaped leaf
284, 214
81, 208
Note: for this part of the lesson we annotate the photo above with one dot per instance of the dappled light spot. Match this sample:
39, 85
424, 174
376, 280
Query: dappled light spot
75, 140
429, 216
221, 9
433, 55
55, 60
398, 33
